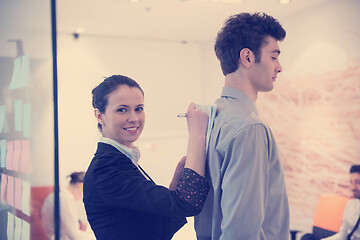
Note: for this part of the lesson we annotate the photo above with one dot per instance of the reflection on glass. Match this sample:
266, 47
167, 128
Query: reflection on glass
26, 119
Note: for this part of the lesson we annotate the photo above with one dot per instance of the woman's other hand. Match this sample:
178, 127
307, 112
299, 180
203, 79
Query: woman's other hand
197, 126
197, 121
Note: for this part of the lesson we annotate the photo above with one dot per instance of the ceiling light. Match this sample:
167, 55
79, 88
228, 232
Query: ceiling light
80, 30
216, 1
227, 1
284, 1
77, 32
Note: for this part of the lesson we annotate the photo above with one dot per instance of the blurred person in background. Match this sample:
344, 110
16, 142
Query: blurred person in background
349, 229
73, 225
350, 225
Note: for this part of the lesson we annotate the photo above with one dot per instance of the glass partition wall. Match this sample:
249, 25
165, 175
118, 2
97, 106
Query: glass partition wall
27, 122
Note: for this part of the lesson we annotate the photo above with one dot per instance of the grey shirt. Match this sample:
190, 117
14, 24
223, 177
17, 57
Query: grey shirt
248, 199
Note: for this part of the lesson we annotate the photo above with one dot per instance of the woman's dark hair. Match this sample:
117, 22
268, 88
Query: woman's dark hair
76, 177
245, 30
100, 94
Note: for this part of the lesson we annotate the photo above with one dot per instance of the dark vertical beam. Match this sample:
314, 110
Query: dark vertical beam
56, 124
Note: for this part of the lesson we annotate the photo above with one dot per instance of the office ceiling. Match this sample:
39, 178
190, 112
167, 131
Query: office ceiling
179, 20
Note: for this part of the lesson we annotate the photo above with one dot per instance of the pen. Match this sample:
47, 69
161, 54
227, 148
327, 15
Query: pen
181, 115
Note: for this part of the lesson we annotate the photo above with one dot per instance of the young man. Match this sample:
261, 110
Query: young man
248, 199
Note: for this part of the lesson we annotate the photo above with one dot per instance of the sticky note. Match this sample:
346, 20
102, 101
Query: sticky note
10, 226
17, 228
25, 231
2, 153
18, 110
16, 155
25, 203
26, 120
25, 161
10, 191
9, 154
2, 117
21, 73
3, 188
18, 193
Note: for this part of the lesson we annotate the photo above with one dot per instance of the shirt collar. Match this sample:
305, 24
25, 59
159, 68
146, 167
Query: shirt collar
132, 153
239, 95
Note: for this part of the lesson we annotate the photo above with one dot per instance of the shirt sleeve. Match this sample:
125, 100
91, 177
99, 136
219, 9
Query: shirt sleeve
193, 188
245, 184
121, 185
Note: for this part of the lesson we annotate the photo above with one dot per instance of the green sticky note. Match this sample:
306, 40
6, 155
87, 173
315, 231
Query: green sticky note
21, 73
3, 153
18, 114
26, 119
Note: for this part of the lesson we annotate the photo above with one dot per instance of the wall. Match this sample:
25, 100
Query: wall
315, 107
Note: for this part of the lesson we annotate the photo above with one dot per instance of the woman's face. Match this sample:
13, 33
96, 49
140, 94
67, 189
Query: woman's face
124, 116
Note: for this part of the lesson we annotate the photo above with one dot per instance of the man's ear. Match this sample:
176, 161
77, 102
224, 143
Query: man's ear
98, 116
246, 57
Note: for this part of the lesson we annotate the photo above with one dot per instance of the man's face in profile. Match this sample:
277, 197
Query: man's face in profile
355, 184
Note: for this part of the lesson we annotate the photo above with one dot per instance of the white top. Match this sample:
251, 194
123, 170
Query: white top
351, 215
69, 218
132, 153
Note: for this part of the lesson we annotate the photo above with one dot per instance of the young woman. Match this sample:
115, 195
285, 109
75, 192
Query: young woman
121, 200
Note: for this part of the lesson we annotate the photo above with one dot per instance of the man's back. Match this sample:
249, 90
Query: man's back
248, 197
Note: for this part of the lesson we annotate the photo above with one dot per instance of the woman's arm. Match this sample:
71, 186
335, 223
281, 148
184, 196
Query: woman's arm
197, 127
178, 171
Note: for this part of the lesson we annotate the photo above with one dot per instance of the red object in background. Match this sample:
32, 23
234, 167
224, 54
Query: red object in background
38, 195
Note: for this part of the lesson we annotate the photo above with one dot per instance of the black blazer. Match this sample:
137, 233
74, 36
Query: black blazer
121, 203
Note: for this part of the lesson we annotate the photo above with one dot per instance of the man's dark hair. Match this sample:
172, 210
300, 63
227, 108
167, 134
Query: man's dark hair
355, 169
245, 30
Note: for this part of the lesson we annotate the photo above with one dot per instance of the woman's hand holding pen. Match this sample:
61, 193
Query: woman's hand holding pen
197, 120
197, 126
